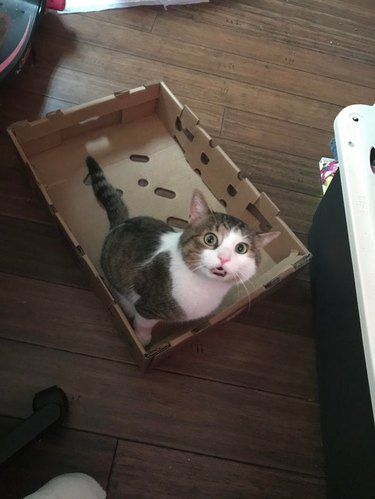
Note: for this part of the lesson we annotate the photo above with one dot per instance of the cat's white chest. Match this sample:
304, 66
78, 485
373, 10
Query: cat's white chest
196, 295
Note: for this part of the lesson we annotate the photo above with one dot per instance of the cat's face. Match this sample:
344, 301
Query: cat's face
220, 246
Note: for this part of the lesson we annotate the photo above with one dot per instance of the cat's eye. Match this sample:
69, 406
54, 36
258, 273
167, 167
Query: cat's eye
210, 239
241, 248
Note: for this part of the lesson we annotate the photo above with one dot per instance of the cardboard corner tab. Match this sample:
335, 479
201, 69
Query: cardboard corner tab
154, 149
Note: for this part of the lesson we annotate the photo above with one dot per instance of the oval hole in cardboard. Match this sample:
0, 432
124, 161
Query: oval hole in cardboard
140, 158
223, 202
197, 171
188, 134
178, 124
143, 182
231, 190
264, 224
179, 223
204, 158
165, 193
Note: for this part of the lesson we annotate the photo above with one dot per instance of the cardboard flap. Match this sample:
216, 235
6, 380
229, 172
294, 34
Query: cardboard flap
82, 114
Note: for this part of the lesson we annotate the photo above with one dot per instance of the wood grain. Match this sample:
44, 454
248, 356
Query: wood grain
101, 62
242, 17
177, 411
285, 137
173, 473
71, 319
184, 25
36, 250
295, 208
288, 309
192, 55
136, 17
265, 166
27, 105
17, 198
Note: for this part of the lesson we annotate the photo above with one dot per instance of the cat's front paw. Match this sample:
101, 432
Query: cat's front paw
144, 337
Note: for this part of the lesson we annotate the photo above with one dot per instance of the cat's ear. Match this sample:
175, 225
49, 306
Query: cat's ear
198, 207
261, 240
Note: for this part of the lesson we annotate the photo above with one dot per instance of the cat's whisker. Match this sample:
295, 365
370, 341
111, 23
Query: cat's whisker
237, 275
197, 268
237, 281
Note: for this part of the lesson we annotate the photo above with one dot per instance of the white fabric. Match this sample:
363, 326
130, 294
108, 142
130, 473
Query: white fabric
96, 5
70, 486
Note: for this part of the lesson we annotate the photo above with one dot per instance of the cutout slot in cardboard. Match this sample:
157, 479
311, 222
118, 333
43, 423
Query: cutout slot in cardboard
178, 223
264, 224
165, 193
140, 158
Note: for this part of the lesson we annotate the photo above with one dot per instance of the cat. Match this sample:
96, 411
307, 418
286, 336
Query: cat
159, 274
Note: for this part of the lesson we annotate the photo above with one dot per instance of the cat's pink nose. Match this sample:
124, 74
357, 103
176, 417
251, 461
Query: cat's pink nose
223, 259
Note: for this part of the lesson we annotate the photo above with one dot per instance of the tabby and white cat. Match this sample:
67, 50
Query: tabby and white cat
157, 273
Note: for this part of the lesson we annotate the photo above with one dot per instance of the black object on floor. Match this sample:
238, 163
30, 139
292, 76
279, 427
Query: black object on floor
50, 408
346, 411
18, 19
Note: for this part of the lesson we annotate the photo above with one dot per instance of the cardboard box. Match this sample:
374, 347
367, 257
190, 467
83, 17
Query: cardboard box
154, 150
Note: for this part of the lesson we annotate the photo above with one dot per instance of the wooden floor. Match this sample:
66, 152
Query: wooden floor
236, 414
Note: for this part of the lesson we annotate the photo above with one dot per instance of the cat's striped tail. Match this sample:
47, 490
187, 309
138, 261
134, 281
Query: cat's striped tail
110, 197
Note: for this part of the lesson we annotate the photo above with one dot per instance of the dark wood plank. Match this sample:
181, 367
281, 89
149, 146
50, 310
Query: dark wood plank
39, 82
277, 135
114, 67
174, 474
74, 320
46, 81
137, 17
168, 410
248, 69
17, 198
253, 357
26, 105
241, 17
187, 27
288, 309
295, 208
331, 17
37, 250
60, 317
59, 451
265, 166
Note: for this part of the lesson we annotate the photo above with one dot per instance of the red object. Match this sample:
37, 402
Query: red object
55, 4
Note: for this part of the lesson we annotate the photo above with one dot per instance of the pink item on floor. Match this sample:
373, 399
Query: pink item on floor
55, 4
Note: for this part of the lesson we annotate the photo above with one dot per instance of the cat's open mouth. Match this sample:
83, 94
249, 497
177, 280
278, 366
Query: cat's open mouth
219, 271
